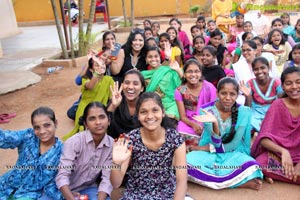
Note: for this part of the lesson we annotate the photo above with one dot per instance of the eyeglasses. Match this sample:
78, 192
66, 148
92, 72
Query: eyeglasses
138, 30
193, 72
247, 50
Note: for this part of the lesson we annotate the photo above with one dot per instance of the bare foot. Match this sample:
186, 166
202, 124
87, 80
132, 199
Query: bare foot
254, 184
269, 180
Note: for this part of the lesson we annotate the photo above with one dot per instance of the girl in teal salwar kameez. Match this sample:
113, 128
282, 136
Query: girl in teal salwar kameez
222, 159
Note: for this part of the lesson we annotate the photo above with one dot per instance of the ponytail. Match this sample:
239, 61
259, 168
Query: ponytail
234, 115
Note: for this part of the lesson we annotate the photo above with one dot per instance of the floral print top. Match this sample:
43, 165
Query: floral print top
150, 175
33, 175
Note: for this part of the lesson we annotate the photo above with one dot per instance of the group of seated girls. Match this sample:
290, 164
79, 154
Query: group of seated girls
174, 115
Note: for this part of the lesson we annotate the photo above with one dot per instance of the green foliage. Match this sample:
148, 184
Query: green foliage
89, 43
194, 8
122, 24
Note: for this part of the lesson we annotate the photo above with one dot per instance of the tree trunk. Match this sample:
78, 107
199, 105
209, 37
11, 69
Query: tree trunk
132, 13
59, 31
81, 33
87, 41
124, 13
70, 31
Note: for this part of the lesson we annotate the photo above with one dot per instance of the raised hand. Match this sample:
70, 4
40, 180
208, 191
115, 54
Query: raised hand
121, 152
207, 117
101, 63
245, 89
175, 66
167, 49
116, 97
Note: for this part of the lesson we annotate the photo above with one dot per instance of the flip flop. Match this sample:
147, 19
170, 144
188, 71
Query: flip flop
3, 120
7, 116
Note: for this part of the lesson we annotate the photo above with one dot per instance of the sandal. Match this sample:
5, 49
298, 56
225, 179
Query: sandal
7, 116
3, 120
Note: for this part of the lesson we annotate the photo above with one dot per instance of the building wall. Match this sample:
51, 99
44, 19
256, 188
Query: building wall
41, 10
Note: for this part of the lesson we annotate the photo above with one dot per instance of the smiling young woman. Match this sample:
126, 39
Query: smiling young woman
276, 148
33, 175
87, 154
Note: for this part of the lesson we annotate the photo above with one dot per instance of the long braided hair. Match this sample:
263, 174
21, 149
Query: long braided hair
234, 109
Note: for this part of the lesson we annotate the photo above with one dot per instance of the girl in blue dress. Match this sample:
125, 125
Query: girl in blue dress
222, 159
33, 175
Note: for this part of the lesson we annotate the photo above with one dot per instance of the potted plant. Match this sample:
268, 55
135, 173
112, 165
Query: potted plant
193, 10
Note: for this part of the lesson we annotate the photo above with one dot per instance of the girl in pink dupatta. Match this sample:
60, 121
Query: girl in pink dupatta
276, 147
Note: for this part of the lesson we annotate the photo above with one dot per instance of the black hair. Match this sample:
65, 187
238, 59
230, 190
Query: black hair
297, 46
286, 71
89, 74
154, 49
234, 109
283, 38
43, 111
151, 38
187, 64
128, 45
94, 104
211, 21
251, 43
298, 21
245, 35
166, 35
261, 59
147, 20
148, 29
261, 41
195, 26
105, 34
166, 121
176, 20
177, 42
138, 73
155, 23
215, 33
194, 41
248, 22
212, 50
276, 20
286, 14
201, 18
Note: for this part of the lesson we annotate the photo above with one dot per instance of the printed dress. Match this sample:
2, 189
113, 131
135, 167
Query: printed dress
192, 105
33, 175
231, 165
150, 176
261, 102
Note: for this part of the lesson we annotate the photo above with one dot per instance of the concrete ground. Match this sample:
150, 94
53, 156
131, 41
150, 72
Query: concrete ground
27, 50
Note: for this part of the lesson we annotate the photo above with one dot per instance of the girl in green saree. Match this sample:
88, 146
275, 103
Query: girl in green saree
163, 80
95, 87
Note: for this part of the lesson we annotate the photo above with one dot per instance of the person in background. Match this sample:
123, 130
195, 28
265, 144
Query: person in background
198, 45
147, 23
148, 32
295, 34
86, 160
287, 27
202, 25
131, 56
182, 36
95, 87
261, 91
33, 175
294, 57
155, 26
212, 73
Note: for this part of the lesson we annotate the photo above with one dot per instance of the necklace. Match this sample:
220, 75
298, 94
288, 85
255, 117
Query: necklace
132, 61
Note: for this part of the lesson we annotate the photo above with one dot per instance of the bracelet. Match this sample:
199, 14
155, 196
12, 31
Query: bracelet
113, 57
